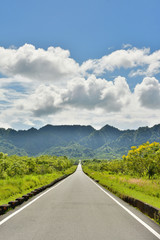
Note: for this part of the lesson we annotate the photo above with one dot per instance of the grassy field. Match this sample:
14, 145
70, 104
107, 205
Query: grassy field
14, 187
146, 190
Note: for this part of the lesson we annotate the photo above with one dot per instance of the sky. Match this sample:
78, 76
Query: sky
88, 62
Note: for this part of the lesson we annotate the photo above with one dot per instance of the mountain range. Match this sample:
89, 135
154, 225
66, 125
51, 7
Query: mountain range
75, 141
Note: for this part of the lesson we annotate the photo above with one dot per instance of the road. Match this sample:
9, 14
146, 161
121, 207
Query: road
77, 209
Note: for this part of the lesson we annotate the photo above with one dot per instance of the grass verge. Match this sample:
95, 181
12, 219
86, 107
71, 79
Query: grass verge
145, 190
12, 188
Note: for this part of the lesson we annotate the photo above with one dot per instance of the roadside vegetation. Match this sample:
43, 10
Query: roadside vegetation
19, 175
136, 175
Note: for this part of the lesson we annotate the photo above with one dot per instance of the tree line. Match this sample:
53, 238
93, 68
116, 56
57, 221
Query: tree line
11, 166
141, 161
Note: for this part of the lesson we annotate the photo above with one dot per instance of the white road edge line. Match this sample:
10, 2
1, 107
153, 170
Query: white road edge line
127, 210
28, 204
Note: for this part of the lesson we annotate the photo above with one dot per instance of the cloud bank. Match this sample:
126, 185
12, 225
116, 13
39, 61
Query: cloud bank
41, 86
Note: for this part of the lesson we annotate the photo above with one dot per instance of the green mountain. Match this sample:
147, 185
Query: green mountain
75, 141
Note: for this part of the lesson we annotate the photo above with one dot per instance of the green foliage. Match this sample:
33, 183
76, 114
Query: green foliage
10, 148
3, 155
142, 161
11, 166
76, 141
136, 175
71, 151
18, 175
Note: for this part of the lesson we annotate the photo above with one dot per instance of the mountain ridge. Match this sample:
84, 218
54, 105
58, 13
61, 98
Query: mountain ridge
77, 141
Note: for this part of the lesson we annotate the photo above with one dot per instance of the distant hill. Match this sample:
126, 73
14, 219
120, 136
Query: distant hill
75, 141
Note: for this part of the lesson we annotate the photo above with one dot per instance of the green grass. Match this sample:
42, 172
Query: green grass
12, 188
145, 190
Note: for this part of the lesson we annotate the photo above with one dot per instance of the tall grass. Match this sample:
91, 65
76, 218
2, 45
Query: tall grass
14, 187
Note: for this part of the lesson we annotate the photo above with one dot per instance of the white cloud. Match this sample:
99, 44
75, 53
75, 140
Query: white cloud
80, 94
153, 63
53, 64
2, 95
147, 64
119, 90
50, 87
127, 45
4, 125
44, 101
148, 93
129, 58
152, 66
82, 102
85, 93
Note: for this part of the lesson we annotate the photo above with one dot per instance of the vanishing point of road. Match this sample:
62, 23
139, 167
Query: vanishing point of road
77, 209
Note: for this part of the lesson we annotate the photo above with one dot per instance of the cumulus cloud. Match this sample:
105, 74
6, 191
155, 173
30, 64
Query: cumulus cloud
42, 85
84, 93
151, 63
118, 59
56, 65
80, 94
53, 64
148, 93
147, 64
44, 101
98, 93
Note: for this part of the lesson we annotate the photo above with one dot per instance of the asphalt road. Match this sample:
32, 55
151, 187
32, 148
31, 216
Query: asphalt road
77, 209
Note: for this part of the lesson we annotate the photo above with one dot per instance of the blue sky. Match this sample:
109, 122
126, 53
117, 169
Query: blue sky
87, 28
100, 58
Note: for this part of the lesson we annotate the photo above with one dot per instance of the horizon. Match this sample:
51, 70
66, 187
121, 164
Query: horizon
79, 63
64, 125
